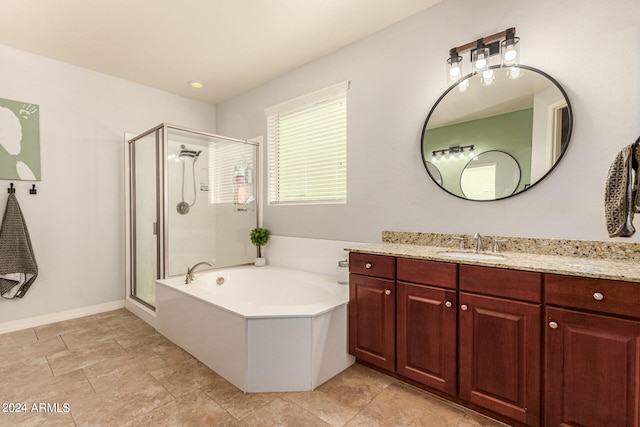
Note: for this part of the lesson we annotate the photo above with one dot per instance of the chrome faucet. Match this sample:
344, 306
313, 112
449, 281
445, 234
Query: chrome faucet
478, 238
191, 271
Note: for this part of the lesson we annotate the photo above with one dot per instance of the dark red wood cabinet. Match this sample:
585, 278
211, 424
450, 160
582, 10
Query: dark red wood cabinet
592, 358
372, 310
499, 341
537, 348
426, 323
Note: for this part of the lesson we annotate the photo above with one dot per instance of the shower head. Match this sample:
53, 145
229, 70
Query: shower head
189, 153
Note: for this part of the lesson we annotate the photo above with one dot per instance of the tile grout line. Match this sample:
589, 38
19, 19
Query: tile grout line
284, 398
364, 407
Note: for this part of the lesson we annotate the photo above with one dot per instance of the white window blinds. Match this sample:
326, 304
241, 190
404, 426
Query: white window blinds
231, 173
307, 148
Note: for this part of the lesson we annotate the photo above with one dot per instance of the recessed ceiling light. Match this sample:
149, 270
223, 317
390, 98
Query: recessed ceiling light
196, 85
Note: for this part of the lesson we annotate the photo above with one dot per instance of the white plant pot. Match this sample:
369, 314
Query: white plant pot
260, 262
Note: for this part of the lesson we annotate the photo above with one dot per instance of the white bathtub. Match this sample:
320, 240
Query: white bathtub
264, 329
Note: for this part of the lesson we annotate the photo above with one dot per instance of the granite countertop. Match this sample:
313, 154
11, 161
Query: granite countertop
626, 270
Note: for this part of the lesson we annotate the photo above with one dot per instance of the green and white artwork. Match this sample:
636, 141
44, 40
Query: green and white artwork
19, 141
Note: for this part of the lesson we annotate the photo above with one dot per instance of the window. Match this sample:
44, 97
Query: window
307, 143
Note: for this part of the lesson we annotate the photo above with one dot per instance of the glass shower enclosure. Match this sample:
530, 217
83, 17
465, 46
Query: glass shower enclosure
192, 198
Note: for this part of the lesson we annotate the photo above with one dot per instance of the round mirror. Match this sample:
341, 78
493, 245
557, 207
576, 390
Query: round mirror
489, 176
522, 113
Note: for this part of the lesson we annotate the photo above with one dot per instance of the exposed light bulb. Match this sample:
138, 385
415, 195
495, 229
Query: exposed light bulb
510, 48
454, 68
510, 54
434, 159
481, 63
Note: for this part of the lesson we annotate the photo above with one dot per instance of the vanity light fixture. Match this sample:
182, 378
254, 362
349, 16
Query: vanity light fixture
480, 58
452, 153
454, 66
481, 51
510, 48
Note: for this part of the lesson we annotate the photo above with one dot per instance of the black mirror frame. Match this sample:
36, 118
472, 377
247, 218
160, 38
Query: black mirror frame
569, 133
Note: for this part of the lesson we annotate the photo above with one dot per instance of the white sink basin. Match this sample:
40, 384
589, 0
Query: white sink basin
471, 255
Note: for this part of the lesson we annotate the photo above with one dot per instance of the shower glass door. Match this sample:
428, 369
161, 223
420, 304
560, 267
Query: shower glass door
146, 247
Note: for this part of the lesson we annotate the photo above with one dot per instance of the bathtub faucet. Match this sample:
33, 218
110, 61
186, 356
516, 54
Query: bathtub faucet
191, 271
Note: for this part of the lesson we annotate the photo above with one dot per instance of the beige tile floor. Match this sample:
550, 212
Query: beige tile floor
112, 369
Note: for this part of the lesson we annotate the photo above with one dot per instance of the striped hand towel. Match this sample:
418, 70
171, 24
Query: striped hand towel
18, 267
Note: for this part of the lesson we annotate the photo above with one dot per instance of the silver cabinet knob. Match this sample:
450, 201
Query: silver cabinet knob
368, 265
387, 292
598, 296
553, 325
464, 307
448, 304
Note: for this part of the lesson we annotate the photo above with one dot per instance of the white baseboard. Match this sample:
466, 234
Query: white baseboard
32, 322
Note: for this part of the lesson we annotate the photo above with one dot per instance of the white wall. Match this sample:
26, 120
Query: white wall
591, 48
76, 220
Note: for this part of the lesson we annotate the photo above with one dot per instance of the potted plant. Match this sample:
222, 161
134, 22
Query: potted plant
259, 237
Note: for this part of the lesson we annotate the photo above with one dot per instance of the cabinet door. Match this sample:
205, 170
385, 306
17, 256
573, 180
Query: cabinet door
372, 320
592, 367
499, 353
426, 341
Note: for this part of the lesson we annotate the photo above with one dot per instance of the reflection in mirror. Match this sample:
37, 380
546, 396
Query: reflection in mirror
434, 172
489, 176
524, 114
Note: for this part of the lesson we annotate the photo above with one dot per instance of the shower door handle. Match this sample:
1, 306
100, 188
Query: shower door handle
155, 228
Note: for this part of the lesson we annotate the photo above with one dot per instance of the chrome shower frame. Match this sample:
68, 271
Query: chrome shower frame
161, 227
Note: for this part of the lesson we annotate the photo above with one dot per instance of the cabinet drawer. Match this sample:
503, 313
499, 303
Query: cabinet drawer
607, 296
500, 282
441, 274
372, 265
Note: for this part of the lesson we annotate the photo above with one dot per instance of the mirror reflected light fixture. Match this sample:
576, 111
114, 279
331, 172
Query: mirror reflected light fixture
481, 52
452, 153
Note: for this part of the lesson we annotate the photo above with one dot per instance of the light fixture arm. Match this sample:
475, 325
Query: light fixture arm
485, 40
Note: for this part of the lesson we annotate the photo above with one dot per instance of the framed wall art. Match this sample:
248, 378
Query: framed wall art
19, 141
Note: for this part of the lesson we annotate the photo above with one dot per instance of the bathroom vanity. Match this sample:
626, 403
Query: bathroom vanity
539, 339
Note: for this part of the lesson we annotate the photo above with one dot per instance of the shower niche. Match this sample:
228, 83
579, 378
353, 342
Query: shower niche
192, 198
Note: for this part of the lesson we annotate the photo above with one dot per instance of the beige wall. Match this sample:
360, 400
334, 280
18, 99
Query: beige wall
397, 75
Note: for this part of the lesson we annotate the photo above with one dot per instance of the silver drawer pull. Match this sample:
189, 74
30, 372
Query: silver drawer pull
368, 265
448, 304
598, 296
387, 292
463, 307
553, 325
